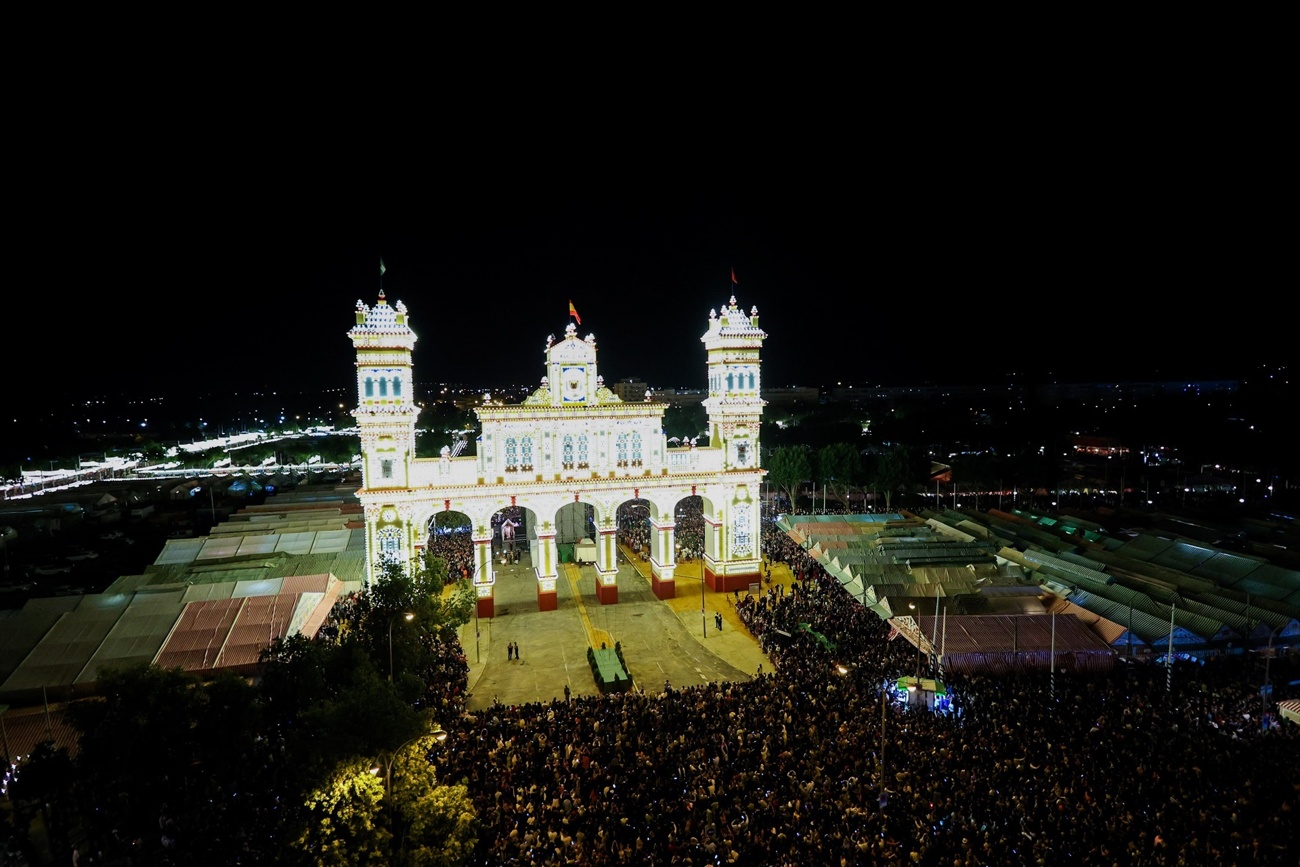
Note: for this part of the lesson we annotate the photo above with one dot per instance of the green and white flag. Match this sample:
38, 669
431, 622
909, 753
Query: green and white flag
382, 269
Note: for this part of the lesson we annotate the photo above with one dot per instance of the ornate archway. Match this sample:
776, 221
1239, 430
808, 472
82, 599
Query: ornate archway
571, 441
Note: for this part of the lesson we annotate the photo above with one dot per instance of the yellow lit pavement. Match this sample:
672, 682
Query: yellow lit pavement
596, 637
662, 640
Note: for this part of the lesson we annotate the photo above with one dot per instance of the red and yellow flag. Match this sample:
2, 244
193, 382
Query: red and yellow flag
574, 314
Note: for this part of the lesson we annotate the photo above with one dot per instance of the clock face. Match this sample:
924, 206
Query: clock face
572, 379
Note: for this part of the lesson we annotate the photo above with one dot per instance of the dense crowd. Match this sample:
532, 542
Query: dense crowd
688, 531
1120, 768
456, 546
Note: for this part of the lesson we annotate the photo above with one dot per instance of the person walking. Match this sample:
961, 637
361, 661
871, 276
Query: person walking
717, 620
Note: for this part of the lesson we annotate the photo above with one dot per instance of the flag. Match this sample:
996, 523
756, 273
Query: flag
382, 269
734, 281
574, 314
893, 633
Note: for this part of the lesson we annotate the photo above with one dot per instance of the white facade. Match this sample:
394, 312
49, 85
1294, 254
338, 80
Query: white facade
571, 441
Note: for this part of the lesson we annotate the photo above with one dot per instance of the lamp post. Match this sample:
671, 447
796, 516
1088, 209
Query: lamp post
916, 683
438, 734
408, 617
884, 688
1130, 628
704, 623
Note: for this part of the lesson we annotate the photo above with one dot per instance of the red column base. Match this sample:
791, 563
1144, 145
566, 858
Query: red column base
486, 606
663, 589
607, 594
727, 583
546, 601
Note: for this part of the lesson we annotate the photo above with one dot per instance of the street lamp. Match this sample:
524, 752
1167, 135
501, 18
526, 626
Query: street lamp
884, 689
916, 684
438, 734
408, 617
704, 623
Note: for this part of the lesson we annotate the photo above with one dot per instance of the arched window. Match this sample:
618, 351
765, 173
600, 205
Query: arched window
397, 386
390, 543
383, 386
742, 541
370, 387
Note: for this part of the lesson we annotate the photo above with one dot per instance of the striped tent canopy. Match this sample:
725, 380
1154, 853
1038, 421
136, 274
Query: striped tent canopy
1290, 709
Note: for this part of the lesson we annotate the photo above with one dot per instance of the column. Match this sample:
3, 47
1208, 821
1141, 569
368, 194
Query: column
546, 566
607, 567
663, 558
484, 577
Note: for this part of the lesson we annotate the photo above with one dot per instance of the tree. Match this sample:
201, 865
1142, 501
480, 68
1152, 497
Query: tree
787, 468
433, 825
892, 470
160, 744
975, 472
44, 787
344, 827
439, 424
444, 827
840, 466
686, 421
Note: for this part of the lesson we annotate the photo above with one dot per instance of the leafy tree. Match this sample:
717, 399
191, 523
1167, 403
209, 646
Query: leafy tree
975, 472
840, 466
45, 786
432, 824
438, 423
443, 827
161, 743
344, 826
830, 423
685, 420
893, 470
787, 468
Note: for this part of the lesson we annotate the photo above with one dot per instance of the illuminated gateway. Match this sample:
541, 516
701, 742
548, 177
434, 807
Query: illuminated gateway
573, 441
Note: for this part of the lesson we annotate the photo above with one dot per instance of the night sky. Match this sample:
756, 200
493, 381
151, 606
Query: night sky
931, 265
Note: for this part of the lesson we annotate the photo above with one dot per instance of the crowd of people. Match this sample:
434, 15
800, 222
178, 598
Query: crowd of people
688, 531
456, 546
821, 762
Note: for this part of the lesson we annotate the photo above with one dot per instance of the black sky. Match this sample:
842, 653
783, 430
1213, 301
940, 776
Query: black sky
1091, 244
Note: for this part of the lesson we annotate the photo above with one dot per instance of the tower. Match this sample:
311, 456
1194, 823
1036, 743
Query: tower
734, 406
386, 414
732, 556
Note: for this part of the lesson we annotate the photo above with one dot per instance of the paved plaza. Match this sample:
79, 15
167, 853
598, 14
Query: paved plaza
663, 641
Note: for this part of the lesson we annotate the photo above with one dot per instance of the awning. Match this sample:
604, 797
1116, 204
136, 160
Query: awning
1290, 709
927, 684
